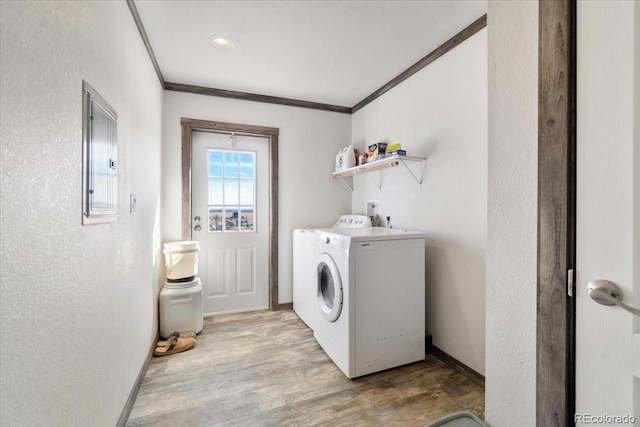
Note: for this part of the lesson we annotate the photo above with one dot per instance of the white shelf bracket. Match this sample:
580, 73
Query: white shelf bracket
416, 178
379, 183
350, 187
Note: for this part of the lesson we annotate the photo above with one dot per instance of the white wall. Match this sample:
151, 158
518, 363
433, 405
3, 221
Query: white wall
78, 304
308, 142
512, 211
440, 113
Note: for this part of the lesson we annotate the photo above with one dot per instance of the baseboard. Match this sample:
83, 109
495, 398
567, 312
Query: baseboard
285, 306
458, 366
128, 406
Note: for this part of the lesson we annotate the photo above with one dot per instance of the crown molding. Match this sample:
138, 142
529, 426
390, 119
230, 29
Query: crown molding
454, 41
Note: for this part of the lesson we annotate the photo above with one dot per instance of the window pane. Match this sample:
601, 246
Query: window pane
247, 165
214, 163
247, 222
231, 164
215, 218
230, 218
215, 191
230, 191
246, 192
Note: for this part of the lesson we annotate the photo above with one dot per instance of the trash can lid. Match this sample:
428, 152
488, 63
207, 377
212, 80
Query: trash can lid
459, 419
194, 281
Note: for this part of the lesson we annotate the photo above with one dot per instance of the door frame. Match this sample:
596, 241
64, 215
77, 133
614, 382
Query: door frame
556, 321
191, 125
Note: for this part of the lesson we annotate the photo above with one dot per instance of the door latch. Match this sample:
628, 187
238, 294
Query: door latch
570, 283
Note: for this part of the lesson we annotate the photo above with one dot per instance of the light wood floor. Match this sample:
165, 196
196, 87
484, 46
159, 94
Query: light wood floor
266, 369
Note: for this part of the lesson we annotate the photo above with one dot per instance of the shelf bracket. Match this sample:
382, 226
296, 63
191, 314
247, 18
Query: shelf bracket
418, 180
350, 187
379, 183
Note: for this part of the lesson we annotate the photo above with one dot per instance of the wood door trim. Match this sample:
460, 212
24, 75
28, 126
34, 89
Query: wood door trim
555, 342
190, 125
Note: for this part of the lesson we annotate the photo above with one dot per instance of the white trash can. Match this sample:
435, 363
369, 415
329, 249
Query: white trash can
181, 259
181, 307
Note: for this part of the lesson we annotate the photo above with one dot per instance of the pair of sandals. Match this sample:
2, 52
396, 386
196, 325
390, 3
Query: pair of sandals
177, 342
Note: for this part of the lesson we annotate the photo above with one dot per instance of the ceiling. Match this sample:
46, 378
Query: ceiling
330, 52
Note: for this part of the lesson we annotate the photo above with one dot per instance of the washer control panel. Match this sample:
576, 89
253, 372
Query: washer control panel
353, 221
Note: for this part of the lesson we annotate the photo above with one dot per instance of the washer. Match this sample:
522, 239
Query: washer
304, 268
370, 295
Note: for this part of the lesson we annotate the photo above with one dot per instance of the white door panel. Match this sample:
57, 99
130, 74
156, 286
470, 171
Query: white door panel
244, 270
216, 272
230, 220
608, 215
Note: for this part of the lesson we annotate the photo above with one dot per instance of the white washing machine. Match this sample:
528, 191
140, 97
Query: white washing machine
304, 268
370, 294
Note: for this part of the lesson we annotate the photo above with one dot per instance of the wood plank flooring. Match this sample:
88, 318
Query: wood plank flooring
266, 369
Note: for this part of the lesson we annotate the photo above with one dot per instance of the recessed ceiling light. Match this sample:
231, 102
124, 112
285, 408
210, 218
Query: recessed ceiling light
221, 41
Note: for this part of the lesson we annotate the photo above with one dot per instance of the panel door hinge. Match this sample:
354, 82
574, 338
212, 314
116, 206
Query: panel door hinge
570, 283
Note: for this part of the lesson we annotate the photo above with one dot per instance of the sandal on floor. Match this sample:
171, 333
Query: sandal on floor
177, 334
176, 345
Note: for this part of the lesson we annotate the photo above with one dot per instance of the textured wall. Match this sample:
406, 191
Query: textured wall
512, 212
308, 143
440, 113
78, 304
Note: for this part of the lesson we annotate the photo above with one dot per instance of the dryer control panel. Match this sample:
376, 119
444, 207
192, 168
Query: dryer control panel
334, 243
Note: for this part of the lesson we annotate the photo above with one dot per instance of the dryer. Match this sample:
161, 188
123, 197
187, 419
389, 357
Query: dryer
371, 297
304, 301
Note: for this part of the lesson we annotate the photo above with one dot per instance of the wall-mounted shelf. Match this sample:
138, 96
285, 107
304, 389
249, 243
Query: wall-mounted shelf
378, 165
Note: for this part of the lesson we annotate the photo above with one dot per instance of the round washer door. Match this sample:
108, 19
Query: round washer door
329, 287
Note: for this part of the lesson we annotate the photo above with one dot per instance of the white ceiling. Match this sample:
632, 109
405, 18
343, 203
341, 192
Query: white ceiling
331, 52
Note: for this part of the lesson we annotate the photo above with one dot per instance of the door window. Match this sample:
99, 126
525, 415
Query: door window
231, 198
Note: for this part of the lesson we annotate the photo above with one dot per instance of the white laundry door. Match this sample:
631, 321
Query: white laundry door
608, 210
230, 219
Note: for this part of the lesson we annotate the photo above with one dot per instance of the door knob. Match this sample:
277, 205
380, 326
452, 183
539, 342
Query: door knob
608, 293
196, 218
197, 228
